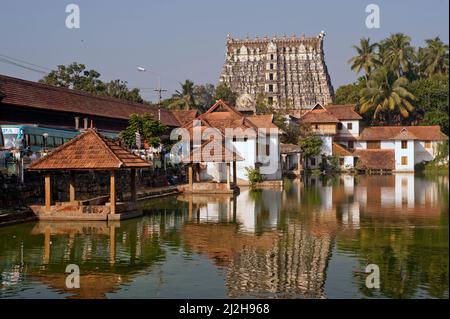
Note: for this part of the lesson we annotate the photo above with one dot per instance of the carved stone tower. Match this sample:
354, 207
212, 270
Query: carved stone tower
289, 71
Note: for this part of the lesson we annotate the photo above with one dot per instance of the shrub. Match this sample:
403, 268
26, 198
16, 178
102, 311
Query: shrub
254, 175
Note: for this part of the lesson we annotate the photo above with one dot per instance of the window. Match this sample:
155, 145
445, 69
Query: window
351, 144
271, 56
271, 76
268, 149
350, 126
50, 141
58, 141
372, 145
270, 87
427, 144
316, 126
404, 160
39, 140
341, 161
270, 100
404, 144
339, 126
313, 161
271, 66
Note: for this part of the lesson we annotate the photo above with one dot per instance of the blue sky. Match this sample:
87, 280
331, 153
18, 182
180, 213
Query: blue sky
186, 39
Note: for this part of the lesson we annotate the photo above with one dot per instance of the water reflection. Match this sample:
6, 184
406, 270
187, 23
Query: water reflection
312, 239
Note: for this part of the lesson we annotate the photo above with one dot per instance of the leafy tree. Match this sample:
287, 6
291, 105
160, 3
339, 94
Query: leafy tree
204, 96
254, 175
262, 106
350, 93
397, 53
431, 101
385, 94
366, 58
75, 76
434, 59
311, 146
184, 99
149, 129
224, 92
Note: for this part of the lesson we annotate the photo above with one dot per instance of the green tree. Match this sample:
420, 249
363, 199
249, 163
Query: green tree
350, 93
184, 99
366, 59
149, 129
431, 104
397, 53
204, 96
262, 106
76, 76
224, 92
434, 59
385, 95
311, 146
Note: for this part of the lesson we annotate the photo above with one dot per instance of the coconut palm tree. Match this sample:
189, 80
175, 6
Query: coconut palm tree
366, 58
184, 100
397, 53
386, 94
435, 57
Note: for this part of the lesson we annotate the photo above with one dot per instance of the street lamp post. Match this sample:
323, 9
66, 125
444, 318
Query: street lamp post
158, 89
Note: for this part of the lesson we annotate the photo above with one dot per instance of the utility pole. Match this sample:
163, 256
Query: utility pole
160, 91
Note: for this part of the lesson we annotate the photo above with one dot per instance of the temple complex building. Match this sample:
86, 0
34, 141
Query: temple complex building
289, 71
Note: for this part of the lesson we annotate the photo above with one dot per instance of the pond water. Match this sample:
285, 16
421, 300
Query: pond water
310, 239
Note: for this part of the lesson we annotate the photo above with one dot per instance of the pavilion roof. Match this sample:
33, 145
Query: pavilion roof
89, 151
225, 155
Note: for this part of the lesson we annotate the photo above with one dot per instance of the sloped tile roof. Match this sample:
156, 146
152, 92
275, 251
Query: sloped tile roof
289, 148
262, 121
89, 151
375, 158
185, 116
343, 112
383, 133
340, 150
224, 155
318, 116
47, 97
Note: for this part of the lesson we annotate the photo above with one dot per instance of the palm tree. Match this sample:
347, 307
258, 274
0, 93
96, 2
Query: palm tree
366, 58
397, 53
185, 99
386, 93
435, 57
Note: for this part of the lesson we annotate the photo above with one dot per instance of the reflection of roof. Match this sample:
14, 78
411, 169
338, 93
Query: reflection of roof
89, 151
382, 133
375, 158
340, 150
344, 112
289, 149
47, 97
213, 151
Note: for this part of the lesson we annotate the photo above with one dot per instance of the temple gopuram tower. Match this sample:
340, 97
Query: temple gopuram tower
289, 71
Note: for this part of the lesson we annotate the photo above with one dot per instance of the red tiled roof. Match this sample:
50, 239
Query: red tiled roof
262, 121
340, 150
225, 155
318, 116
343, 112
383, 133
375, 159
185, 116
89, 151
47, 97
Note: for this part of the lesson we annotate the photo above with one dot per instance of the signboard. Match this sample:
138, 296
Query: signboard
10, 130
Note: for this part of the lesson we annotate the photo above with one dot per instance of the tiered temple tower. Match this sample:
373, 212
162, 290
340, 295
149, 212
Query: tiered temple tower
290, 71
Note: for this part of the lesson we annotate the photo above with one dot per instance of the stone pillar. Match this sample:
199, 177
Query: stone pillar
72, 187
228, 175
133, 185
112, 191
48, 192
